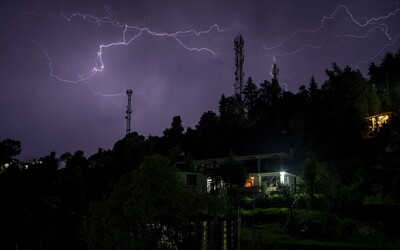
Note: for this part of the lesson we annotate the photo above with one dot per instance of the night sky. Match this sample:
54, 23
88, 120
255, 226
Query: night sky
177, 57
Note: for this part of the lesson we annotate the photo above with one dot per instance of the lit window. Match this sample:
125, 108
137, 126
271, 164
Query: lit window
282, 177
249, 182
209, 184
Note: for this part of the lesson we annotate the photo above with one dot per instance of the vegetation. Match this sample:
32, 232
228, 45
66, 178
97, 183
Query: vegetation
148, 208
132, 196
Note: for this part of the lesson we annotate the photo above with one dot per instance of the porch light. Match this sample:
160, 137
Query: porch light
282, 175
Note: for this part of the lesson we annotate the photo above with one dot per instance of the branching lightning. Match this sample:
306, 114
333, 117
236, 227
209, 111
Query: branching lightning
283, 76
105, 95
366, 26
125, 40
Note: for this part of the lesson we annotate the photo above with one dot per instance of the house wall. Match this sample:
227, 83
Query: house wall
195, 180
271, 180
261, 167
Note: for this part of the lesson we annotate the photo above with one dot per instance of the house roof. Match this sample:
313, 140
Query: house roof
285, 163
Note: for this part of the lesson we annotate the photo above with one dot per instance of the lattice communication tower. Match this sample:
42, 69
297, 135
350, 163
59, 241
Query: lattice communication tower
128, 111
239, 60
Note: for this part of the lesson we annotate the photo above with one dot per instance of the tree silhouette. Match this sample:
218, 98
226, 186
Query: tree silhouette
130, 152
148, 209
386, 81
8, 149
250, 95
173, 135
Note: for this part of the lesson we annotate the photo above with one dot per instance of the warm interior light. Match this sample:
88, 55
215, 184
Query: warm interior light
249, 182
377, 121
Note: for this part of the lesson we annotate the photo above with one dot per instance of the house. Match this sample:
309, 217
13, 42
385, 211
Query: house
375, 123
264, 172
196, 179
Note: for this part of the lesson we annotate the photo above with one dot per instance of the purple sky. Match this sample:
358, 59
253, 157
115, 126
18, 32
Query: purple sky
51, 107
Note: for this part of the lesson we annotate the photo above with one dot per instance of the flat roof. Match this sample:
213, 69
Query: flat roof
246, 157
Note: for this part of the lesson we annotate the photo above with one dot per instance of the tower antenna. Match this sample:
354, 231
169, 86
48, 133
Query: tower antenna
239, 59
128, 111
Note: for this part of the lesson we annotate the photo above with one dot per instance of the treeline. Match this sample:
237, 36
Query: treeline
105, 200
329, 120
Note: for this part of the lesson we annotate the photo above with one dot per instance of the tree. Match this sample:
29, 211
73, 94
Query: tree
102, 173
276, 91
232, 123
385, 79
208, 136
329, 188
9, 148
265, 95
231, 112
130, 152
148, 209
387, 146
208, 124
312, 87
234, 176
174, 134
345, 103
250, 95
287, 196
309, 178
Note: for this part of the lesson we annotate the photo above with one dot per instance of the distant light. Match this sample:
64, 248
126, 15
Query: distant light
6, 165
209, 184
282, 177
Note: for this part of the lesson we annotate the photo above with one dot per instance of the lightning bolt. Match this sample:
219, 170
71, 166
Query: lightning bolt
367, 27
282, 76
272, 66
125, 40
105, 95
369, 59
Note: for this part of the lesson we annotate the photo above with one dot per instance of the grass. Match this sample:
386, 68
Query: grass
266, 227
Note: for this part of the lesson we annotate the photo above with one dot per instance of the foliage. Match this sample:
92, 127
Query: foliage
233, 176
130, 151
8, 149
288, 199
147, 208
386, 80
173, 135
309, 179
263, 216
40, 207
315, 230
379, 200
250, 95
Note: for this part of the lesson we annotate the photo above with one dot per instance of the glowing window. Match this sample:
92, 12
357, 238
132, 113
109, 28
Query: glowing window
249, 182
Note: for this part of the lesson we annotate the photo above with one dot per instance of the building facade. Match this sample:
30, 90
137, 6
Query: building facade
264, 172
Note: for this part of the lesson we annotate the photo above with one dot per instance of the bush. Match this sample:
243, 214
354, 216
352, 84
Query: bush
269, 215
274, 200
378, 200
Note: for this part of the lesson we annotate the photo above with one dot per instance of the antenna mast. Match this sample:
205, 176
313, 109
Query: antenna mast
128, 111
239, 59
